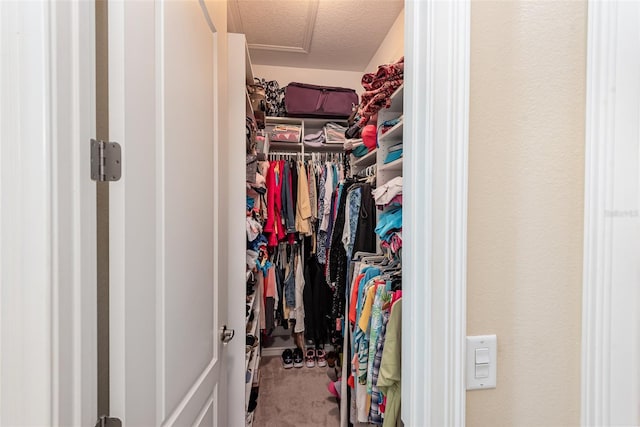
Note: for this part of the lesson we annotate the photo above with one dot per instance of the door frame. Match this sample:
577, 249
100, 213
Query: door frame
437, 80
610, 332
436, 105
47, 214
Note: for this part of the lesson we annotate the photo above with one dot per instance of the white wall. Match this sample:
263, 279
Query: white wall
286, 75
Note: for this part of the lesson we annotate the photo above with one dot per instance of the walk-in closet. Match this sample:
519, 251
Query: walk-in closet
324, 197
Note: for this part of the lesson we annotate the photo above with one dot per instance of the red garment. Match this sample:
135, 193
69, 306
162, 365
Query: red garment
353, 302
395, 297
273, 228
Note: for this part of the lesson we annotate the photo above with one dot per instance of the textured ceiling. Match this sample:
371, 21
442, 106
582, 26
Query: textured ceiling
328, 34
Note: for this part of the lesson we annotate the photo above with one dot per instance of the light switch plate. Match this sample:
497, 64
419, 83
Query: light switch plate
481, 342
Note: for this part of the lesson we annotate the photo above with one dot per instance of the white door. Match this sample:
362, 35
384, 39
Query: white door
167, 77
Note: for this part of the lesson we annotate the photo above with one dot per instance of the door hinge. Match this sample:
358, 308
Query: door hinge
105, 421
106, 161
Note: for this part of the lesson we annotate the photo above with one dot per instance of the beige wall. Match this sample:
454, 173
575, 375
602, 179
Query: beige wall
526, 155
391, 48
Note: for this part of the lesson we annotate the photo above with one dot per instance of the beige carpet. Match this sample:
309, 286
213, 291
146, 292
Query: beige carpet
294, 397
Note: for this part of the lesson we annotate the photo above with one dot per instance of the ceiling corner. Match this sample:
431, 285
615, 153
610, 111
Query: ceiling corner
234, 18
305, 43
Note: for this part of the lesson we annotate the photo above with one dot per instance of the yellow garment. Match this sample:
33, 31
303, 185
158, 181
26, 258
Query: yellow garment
303, 208
390, 367
365, 315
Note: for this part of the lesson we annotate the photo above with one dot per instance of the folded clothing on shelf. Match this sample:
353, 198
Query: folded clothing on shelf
393, 155
334, 133
395, 147
394, 243
285, 133
388, 124
396, 201
360, 151
252, 257
314, 139
389, 222
351, 144
254, 228
385, 193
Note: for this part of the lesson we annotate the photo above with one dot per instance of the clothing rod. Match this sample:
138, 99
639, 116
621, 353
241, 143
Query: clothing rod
306, 154
287, 153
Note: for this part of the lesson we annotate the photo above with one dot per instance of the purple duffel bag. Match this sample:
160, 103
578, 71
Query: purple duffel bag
305, 100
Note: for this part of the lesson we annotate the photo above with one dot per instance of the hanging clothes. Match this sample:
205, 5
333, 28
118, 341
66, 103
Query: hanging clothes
322, 234
313, 191
303, 206
390, 367
300, 284
296, 191
317, 300
273, 226
365, 237
288, 211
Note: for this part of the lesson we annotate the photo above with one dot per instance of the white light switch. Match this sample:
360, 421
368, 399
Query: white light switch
481, 362
482, 355
482, 371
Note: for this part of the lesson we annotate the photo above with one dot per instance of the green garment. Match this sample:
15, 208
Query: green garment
389, 377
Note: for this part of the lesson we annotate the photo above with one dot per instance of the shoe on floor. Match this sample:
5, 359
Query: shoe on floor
332, 358
322, 361
297, 358
310, 358
252, 340
287, 359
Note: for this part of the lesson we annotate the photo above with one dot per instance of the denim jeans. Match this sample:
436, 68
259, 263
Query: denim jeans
290, 285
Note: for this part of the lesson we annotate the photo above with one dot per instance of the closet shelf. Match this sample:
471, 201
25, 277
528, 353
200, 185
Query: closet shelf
252, 303
253, 329
253, 365
393, 134
294, 147
249, 356
308, 126
249, 419
366, 160
271, 120
325, 148
247, 359
312, 122
397, 100
248, 71
396, 165
249, 108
